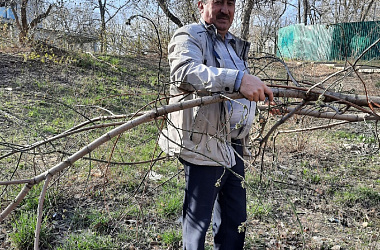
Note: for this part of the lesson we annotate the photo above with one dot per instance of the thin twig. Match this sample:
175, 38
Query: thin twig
99, 60
40, 211
108, 136
310, 129
263, 142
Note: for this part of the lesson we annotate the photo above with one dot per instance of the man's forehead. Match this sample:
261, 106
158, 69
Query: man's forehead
212, 1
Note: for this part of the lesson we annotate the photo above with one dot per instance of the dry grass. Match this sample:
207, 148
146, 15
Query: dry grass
320, 189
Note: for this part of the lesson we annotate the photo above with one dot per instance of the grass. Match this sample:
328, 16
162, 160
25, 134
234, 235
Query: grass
354, 137
311, 177
367, 196
105, 202
47, 118
87, 240
169, 204
259, 210
22, 236
172, 238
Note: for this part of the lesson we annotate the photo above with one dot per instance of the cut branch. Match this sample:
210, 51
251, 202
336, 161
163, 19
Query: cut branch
163, 5
166, 109
359, 100
39, 213
154, 114
311, 129
17, 201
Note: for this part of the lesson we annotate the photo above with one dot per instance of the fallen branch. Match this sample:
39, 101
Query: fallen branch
158, 113
154, 114
77, 129
263, 142
166, 109
314, 95
101, 61
310, 129
39, 213
334, 115
16, 201
15, 182
357, 101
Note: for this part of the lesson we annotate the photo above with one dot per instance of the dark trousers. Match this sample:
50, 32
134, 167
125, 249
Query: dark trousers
204, 198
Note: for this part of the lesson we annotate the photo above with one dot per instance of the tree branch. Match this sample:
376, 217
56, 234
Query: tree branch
164, 110
39, 213
40, 17
163, 5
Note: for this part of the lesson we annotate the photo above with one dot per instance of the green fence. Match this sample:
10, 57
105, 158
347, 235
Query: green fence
329, 42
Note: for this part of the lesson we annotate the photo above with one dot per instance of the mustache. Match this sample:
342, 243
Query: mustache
222, 16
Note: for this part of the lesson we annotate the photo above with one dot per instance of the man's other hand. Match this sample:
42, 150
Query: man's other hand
254, 89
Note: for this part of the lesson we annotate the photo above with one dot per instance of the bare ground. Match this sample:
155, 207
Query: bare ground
319, 189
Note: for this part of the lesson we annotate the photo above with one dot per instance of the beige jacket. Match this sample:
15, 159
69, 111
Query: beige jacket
200, 135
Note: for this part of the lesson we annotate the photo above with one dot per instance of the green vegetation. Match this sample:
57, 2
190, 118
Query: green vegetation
169, 204
313, 178
172, 238
98, 221
367, 196
108, 201
88, 241
24, 226
259, 210
354, 137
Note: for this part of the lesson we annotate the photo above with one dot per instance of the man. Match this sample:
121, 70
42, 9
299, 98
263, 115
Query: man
206, 58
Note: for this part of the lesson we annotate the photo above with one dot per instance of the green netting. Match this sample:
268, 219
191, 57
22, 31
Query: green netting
329, 42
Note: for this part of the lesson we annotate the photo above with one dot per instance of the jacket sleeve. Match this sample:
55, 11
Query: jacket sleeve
192, 63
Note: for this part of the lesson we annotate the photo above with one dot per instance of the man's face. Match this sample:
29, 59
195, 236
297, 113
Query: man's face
218, 12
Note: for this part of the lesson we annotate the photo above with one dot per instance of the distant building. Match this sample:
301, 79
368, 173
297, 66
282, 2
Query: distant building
69, 40
6, 13
62, 39
6, 20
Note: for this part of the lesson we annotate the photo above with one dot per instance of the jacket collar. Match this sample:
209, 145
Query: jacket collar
241, 47
211, 29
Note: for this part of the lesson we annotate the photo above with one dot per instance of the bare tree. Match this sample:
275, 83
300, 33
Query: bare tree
265, 25
107, 11
164, 6
365, 10
245, 18
21, 18
305, 4
331, 11
103, 34
72, 17
352, 10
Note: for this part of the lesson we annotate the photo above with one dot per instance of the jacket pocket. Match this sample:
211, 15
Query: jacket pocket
199, 124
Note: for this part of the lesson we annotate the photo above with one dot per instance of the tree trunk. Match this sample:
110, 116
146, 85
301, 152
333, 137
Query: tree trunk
245, 19
22, 20
305, 11
366, 11
103, 30
299, 11
163, 5
23, 35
